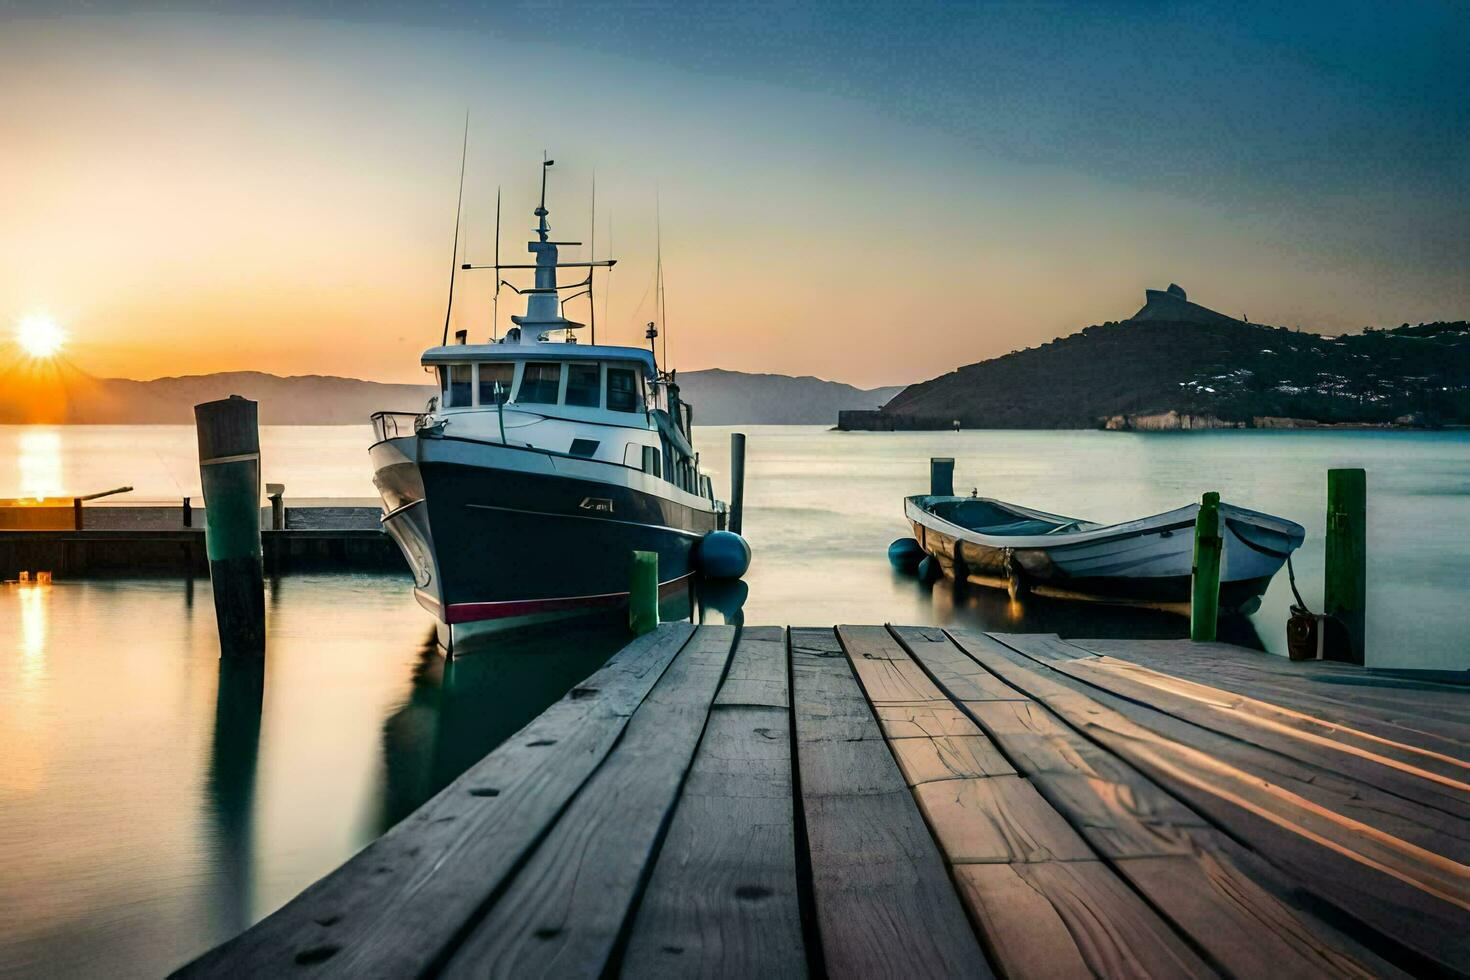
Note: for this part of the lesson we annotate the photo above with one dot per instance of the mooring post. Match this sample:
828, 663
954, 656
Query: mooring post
643, 593
1204, 604
188, 513
1345, 580
76, 513
275, 493
941, 477
229, 470
737, 481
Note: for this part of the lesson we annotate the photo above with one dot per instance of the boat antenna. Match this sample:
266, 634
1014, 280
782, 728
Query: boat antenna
458, 210
495, 303
607, 286
592, 257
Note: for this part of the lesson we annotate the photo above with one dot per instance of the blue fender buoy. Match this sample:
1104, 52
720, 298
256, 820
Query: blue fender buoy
929, 569
723, 555
905, 555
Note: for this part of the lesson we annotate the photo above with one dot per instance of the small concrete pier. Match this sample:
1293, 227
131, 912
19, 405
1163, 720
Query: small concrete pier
913, 801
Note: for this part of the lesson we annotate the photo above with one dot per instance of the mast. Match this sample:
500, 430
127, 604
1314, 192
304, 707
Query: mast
543, 304
495, 304
458, 212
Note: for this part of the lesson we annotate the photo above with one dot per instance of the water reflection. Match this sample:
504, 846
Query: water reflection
723, 603
993, 609
231, 789
458, 710
39, 463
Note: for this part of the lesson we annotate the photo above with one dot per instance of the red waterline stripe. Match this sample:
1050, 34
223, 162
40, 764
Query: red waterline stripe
469, 612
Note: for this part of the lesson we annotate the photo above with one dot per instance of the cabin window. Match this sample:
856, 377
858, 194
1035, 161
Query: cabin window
584, 385
585, 448
459, 386
491, 375
622, 390
540, 383
652, 461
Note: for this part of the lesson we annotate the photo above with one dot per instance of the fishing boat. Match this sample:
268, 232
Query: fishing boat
540, 464
1142, 562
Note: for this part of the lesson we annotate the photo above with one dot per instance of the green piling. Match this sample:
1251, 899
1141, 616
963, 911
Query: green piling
1204, 604
941, 477
643, 593
229, 470
1346, 576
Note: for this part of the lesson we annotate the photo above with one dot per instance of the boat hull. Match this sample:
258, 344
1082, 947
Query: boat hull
494, 532
1147, 562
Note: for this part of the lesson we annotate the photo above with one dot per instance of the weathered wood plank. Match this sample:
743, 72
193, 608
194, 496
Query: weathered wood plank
398, 905
723, 899
884, 902
1264, 713
1337, 781
997, 819
1429, 714
563, 912
1125, 815
1407, 899
758, 670
1063, 919
989, 822
1432, 810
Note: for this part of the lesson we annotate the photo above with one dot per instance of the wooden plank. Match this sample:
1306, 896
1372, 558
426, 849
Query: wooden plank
758, 670
927, 760
884, 903
992, 824
722, 900
564, 911
1447, 768
1125, 816
1435, 808
1064, 919
997, 819
397, 906
1410, 901
1339, 781
1427, 713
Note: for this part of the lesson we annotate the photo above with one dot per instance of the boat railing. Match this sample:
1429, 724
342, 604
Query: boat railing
392, 425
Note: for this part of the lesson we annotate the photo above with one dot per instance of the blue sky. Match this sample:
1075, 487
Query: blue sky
874, 193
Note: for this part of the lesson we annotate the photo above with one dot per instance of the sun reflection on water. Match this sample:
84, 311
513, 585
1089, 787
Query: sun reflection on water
39, 462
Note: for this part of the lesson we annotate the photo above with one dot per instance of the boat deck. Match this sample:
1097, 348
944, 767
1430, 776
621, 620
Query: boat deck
909, 801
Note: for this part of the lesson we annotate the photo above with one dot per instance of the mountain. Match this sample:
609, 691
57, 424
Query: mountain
724, 397
68, 396
1176, 364
72, 397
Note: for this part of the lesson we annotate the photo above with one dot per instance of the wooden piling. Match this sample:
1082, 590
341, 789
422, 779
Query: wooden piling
737, 481
1204, 603
275, 493
643, 593
941, 477
1345, 579
229, 470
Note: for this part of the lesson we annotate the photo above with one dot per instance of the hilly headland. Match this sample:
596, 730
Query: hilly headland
1178, 365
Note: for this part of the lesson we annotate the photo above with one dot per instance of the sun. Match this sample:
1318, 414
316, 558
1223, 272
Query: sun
39, 336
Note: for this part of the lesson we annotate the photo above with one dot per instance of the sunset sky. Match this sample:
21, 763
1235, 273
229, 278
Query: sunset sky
872, 194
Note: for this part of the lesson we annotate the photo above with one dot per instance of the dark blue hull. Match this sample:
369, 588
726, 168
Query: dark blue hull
494, 532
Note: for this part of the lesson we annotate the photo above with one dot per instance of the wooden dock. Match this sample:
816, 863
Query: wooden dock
909, 801
154, 539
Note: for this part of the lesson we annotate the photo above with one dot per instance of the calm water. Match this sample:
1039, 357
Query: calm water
152, 806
